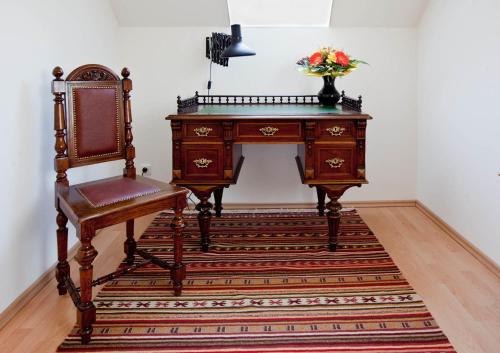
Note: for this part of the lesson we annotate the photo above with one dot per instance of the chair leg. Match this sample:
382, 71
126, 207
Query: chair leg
86, 311
178, 271
62, 269
130, 244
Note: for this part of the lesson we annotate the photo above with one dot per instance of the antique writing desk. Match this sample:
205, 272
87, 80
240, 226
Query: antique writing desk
208, 131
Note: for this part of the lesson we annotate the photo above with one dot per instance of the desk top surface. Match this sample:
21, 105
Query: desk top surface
277, 111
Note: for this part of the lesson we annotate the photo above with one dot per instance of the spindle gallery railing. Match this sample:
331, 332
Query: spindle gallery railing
190, 104
354, 104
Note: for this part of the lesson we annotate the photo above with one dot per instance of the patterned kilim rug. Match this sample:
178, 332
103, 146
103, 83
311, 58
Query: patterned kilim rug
269, 284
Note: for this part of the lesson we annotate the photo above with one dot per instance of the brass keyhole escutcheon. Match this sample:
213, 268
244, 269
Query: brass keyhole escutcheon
336, 130
202, 131
202, 162
269, 130
335, 162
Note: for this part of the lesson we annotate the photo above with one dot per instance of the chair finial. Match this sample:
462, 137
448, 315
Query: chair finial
125, 72
58, 72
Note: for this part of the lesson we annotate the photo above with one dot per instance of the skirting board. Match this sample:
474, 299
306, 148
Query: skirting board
358, 204
459, 238
32, 291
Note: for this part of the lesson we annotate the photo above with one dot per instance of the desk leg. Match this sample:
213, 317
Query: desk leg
204, 216
333, 216
321, 201
334, 192
218, 201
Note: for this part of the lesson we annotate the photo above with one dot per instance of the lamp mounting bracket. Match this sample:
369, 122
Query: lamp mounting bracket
215, 45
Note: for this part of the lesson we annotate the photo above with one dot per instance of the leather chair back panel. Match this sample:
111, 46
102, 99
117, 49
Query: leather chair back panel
95, 122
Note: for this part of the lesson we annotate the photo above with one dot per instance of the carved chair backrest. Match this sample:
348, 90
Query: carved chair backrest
92, 118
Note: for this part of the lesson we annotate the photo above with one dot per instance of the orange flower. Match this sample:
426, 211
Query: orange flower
316, 59
342, 58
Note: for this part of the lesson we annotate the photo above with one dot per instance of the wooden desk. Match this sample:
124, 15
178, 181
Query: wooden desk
208, 131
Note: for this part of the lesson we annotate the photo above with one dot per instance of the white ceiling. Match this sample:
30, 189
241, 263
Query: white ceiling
201, 13
280, 13
171, 13
377, 13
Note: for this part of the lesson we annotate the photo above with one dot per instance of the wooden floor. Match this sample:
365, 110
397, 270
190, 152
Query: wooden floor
461, 293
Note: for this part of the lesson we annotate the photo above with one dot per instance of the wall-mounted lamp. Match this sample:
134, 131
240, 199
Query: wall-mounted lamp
237, 48
220, 47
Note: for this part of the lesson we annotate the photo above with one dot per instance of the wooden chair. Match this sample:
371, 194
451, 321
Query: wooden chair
92, 122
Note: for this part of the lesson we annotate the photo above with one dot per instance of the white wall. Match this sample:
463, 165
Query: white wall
459, 120
35, 36
166, 62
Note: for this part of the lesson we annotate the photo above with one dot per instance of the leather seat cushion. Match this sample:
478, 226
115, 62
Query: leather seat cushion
109, 192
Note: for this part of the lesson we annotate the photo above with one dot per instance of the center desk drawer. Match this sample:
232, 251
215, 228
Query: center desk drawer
269, 131
335, 130
202, 161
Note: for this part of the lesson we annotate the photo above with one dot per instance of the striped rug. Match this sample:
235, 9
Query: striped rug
269, 284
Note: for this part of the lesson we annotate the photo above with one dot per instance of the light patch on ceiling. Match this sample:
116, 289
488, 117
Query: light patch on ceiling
280, 13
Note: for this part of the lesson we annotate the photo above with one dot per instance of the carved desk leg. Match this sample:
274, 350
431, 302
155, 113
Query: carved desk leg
334, 192
85, 308
333, 216
204, 216
218, 201
178, 271
321, 201
62, 269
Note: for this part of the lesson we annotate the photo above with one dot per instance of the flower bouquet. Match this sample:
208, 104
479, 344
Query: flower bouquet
328, 63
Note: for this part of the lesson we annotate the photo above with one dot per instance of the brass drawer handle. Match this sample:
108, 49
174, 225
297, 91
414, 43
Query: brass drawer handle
202, 162
202, 131
336, 130
268, 130
335, 162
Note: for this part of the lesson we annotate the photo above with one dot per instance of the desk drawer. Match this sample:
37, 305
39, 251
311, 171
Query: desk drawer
202, 162
268, 131
335, 130
335, 162
202, 131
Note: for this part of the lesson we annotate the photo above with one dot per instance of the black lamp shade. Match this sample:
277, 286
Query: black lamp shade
237, 48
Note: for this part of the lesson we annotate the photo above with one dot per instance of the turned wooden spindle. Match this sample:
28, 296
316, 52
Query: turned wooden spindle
62, 268
129, 170
86, 310
178, 270
61, 159
61, 165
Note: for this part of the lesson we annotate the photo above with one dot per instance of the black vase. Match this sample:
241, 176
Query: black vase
328, 95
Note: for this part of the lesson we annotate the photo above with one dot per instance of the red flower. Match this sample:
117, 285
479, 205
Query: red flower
342, 58
316, 59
